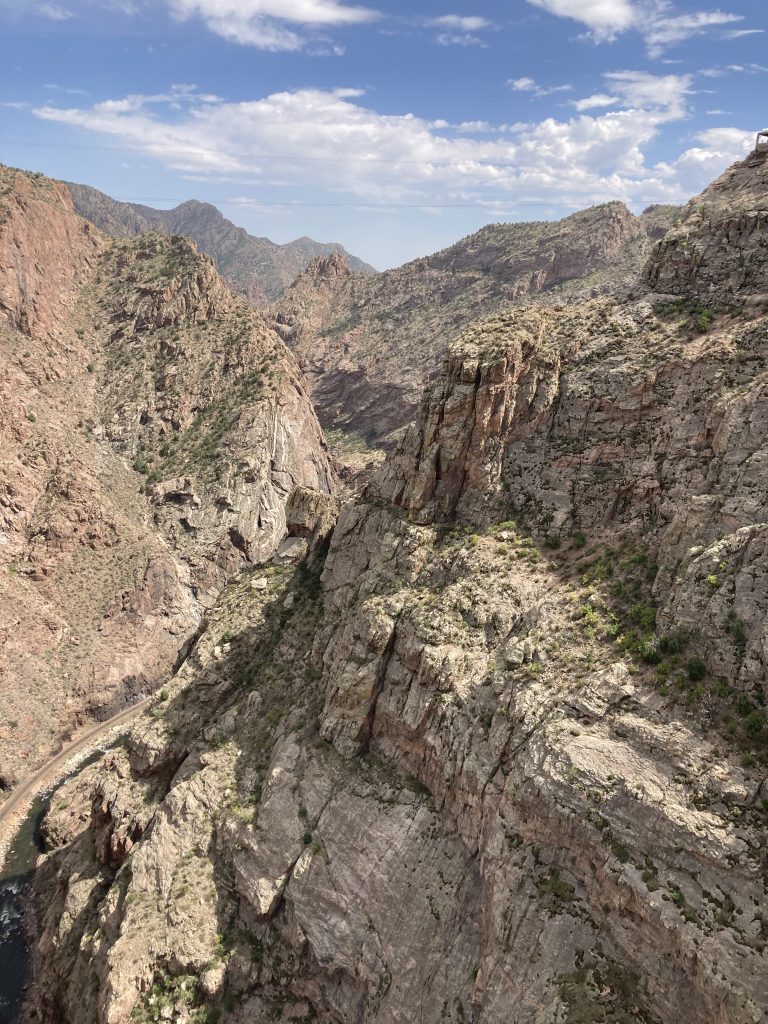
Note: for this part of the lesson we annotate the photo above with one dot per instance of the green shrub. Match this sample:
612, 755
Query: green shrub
643, 615
552, 540
697, 668
649, 652
620, 852
737, 629
671, 643
703, 320
754, 723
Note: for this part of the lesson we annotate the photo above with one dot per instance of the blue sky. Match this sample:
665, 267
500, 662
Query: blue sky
395, 128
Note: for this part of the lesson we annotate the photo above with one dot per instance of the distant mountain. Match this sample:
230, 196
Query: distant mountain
255, 267
369, 344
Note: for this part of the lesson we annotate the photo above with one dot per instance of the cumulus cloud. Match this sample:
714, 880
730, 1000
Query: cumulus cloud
333, 142
605, 18
656, 20
271, 24
715, 149
663, 93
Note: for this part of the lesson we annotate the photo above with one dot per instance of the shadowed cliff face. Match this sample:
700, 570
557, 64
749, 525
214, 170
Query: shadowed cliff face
153, 427
369, 345
495, 749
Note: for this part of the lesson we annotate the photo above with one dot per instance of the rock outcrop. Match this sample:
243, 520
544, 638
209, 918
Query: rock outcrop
717, 253
368, 345
499, 755
153, 428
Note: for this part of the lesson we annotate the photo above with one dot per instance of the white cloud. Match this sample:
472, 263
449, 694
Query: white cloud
277, 25
666, 30
725, 69
69, 90
656, 20
717, 148
331, 141
459, 23
458, 39
459, 30
598, 99
661, 92
532, 86
737, 33
55, 12
604, 18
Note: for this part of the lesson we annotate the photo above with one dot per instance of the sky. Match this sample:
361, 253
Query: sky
394, 128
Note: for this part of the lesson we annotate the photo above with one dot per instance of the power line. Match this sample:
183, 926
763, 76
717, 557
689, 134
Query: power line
479, 205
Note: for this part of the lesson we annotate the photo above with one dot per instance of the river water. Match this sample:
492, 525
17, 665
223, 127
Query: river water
15, 875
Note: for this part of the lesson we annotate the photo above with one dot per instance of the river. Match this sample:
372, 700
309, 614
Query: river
16, 873
15, 876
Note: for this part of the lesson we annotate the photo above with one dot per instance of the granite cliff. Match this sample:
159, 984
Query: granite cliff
492, 747
368, 345
153, 427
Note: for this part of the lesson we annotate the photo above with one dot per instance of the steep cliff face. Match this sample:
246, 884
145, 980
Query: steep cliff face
369, 345
469, 760
254, 267
208, 403
718, 253
153, 428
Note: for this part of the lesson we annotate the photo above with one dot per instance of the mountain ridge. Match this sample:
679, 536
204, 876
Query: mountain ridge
369, 345
255, 266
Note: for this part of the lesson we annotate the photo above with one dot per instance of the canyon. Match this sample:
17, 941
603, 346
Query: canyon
475, 734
